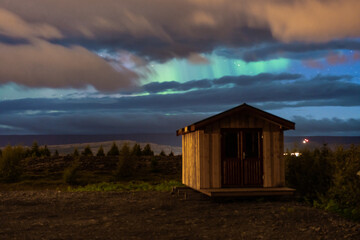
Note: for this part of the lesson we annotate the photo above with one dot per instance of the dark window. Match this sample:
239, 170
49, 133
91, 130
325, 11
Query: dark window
231, 144
251, 143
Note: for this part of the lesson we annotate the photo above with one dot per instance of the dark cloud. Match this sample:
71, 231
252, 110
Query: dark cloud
296, 50
318, 91
241, 80
110, 123
93, 123
326, 126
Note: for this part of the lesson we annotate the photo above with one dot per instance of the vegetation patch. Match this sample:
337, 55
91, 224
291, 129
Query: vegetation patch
129, 186
328, 179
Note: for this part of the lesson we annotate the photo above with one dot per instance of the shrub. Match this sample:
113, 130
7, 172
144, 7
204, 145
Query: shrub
71, 173
10, 169
329, 180
154, 164
162, 153
310, 173
114, 150
171, 154
345, 191
100, 152
147, 151
87, 151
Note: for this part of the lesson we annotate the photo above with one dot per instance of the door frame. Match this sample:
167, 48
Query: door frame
240, 135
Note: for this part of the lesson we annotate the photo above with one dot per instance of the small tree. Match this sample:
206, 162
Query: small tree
56, 153
125, 164
114, 150
136, 150
87, 151
71, 173
76, 152
10, 169
147, 151
162, 153
100, 152
171, 154
45, 151
35, 151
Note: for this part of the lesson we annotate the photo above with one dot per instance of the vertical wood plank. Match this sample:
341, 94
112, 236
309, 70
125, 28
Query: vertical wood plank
205, 162
276, 157
216, 160
282, 160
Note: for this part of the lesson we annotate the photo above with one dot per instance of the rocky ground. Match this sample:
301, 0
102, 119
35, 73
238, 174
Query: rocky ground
53, 214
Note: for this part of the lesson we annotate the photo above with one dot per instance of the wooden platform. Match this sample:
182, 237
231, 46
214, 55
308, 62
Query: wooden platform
240, 192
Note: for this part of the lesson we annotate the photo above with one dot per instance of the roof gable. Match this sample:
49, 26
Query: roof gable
285, 124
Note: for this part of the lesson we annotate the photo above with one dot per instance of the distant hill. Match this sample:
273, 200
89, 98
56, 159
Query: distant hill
159, 138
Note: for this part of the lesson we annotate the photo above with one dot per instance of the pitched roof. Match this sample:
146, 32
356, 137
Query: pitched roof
285, 124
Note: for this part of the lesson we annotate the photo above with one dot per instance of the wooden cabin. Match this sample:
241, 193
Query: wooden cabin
238, 152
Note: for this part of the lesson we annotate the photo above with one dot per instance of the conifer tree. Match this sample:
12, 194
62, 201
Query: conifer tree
114, 150
147, 151
76, 152
87, 151
136, 150
100, 152
35, 152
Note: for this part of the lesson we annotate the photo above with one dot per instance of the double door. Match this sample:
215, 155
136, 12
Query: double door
242, 163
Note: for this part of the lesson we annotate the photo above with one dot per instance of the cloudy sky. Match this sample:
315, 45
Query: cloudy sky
136, 66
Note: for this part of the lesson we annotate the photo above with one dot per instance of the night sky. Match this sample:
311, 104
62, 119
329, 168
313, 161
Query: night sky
136, 66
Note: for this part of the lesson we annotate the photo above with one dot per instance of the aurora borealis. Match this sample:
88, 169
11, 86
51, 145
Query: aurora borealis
85, 67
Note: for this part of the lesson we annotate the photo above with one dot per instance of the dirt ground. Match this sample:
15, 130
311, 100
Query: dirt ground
158, 215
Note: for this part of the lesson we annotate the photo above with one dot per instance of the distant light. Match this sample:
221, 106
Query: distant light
305, 140
296, 154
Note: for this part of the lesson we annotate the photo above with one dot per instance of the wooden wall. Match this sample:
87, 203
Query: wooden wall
202, 152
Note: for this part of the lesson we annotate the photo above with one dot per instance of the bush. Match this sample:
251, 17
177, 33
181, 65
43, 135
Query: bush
154, 164
345, 191
100, 152
162, 153
171, 154
71, 173
329, 180
114, 150
10, 169
310, 173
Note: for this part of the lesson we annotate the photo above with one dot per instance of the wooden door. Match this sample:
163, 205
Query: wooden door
242, 158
